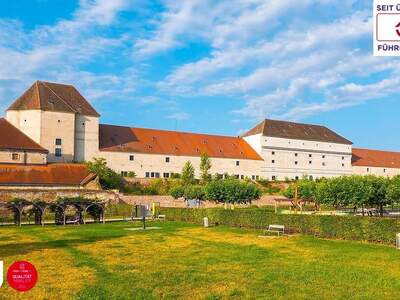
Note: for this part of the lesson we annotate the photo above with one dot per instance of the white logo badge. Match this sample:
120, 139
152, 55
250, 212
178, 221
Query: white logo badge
386, 28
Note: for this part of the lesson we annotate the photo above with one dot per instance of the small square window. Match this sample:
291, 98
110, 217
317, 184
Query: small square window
296, 178
367, 169
273, 177
241, 176
323, 164
273, 161
273, 152
296, 154
257, 177
342, 165
253, 177
147, 174
309, 162
157, 175
237, 176
323, 156
342, 157
152, 175
384, 170
167, 159
237, 163
15, 156
58, 152
58, 141
309, 155
296, 162
166, 175
131, 157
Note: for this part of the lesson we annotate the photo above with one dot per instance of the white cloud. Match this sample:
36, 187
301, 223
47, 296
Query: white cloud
179, 116
57, 52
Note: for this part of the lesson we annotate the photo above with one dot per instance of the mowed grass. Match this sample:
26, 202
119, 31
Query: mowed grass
190, 262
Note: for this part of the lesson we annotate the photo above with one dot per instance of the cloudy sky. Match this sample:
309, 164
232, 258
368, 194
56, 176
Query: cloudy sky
208, 66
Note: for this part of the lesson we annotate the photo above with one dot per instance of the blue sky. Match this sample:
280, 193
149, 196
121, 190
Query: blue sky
208, 66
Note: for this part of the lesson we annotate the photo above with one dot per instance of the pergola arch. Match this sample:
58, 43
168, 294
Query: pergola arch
81, 205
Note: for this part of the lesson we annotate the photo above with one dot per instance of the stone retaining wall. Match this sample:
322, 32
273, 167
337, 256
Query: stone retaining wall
52, 194
168, 201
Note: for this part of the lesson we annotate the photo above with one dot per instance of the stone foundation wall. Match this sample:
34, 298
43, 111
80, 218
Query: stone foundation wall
168, 201
50, 195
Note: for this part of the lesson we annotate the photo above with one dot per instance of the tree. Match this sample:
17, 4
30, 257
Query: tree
188, 173
194, 192
205, 166
393, 190
108, 178
177, 192
232, 191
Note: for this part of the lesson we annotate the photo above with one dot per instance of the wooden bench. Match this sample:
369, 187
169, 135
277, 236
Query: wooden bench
279, 229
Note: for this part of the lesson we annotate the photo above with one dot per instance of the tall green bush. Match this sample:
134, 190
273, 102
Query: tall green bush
108, 178
379, 230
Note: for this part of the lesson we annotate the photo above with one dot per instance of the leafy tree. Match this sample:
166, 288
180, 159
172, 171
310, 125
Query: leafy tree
194, 192
393, 190
177, 192
205, 166
232, 191
108, 178
188, 173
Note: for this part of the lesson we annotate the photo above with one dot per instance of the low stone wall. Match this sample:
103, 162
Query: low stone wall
168, 201
50, 195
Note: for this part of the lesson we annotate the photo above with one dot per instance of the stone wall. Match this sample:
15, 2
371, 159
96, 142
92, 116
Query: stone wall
50, 195
168, 201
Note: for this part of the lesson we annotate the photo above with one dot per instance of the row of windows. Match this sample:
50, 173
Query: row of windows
168, 175
309, 155
384, 170
168, 159
157, 175
309, 162
303, 143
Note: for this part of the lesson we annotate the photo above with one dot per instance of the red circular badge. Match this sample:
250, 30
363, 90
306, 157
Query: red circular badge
22, 276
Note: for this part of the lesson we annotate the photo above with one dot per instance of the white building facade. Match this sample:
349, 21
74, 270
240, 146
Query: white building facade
62, 126
293, 150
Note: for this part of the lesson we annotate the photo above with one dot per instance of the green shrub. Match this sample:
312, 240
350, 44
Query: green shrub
194, 192
232, 191
108, 178
380, 230
177, 192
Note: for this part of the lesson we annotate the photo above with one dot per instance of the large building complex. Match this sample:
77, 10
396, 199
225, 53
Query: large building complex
53, 123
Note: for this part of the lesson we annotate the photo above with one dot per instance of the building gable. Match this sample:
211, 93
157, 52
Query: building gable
49, 96
298, 131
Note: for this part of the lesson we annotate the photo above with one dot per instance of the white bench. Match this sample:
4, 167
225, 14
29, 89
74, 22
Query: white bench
279, 229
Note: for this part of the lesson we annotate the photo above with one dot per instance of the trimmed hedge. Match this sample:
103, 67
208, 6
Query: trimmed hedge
378, 230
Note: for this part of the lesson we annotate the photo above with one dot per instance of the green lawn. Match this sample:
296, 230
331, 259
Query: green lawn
190, 262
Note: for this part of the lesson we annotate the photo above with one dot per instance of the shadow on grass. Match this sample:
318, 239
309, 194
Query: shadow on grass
25, 248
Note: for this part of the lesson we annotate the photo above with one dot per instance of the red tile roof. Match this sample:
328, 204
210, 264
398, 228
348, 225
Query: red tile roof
13, 139
375, 158
50, 96
297, 131
52, 174
152, 141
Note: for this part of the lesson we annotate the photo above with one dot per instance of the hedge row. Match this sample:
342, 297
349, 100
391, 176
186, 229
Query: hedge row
378, 230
